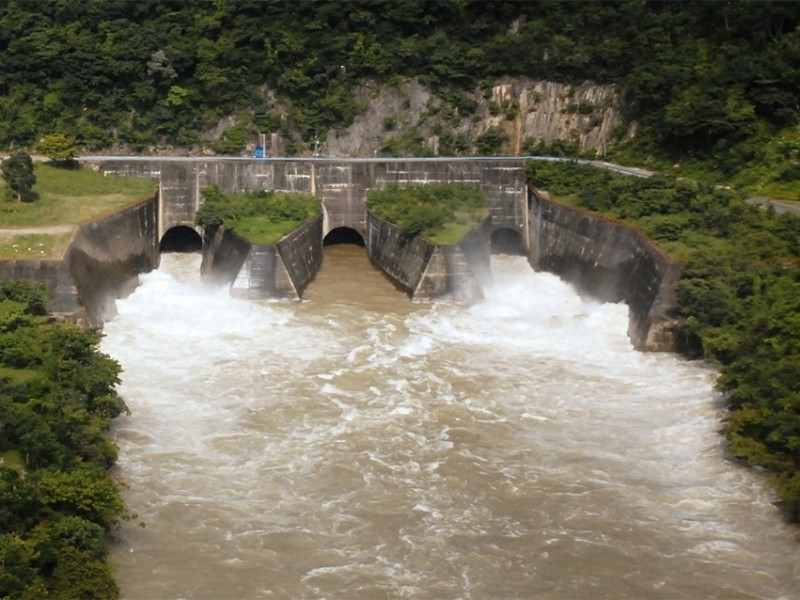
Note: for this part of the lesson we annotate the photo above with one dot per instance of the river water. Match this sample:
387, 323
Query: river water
357, 445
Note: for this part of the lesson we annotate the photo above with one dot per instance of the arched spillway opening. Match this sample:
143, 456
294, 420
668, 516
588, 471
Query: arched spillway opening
343, 235
181, 239
507, 241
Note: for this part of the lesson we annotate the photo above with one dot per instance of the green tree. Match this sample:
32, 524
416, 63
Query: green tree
19, 175
57, 147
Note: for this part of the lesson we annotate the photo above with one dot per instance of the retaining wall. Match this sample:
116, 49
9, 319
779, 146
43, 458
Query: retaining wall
342, 185
610, 261
282, 270
426, 270
101, 263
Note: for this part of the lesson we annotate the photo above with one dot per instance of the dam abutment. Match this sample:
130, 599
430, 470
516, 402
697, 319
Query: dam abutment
610, 261
101, 264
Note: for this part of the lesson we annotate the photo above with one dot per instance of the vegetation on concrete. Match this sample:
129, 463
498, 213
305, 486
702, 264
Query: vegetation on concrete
58, 500
260, 217
63, 198
442, 214
738, 299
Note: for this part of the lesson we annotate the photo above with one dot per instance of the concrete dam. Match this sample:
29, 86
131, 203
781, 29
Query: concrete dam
601, 258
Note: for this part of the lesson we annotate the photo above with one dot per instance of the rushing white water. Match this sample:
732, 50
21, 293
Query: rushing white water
357, 445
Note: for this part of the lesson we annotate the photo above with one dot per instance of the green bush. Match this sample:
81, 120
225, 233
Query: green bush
491, 141
260, 217
427, 210
58, 500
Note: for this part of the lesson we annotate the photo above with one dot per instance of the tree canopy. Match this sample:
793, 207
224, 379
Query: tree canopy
19, 175
705, 78
57, 497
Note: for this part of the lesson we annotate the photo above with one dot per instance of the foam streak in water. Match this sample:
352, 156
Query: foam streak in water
337, 449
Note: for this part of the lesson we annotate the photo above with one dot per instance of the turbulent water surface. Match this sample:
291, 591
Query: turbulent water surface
357, 445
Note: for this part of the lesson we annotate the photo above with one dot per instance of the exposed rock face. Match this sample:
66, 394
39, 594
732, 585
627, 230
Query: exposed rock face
588, 115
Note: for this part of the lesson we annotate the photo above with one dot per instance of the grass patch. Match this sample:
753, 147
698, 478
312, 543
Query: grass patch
65, 198
453, 232
37, 245
262, 217
261, 230
72, 197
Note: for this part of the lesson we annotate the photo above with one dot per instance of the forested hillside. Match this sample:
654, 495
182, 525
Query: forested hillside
709, 80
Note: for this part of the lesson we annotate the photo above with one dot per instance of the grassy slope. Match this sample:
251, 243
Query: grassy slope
66, 197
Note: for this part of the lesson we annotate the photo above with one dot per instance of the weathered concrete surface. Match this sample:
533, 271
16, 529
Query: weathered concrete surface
100, 264
426, 270
106, 256
301, 254
342, 185
54, 273
602, 258
610, 261
282, 270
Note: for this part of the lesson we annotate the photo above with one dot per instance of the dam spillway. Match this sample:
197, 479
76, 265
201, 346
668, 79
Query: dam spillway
608, 260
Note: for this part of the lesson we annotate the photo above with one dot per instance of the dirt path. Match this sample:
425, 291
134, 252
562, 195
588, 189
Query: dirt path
51, 230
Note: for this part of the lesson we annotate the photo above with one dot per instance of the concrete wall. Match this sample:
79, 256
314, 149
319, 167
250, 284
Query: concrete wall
610, 261
342, 185
101, 264
282, 270
605, 259
54, 273
426, 270
106, 256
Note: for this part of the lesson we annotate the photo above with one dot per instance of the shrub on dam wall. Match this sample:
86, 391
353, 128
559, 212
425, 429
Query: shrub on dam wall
443, 214
261, 217
738, 298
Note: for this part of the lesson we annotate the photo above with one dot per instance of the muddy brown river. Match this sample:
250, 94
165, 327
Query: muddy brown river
360, 446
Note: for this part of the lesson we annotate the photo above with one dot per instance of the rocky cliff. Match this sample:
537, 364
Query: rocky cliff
524, 112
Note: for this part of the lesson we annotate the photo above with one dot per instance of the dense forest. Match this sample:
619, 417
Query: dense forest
58, 499
709, 80
738, 299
